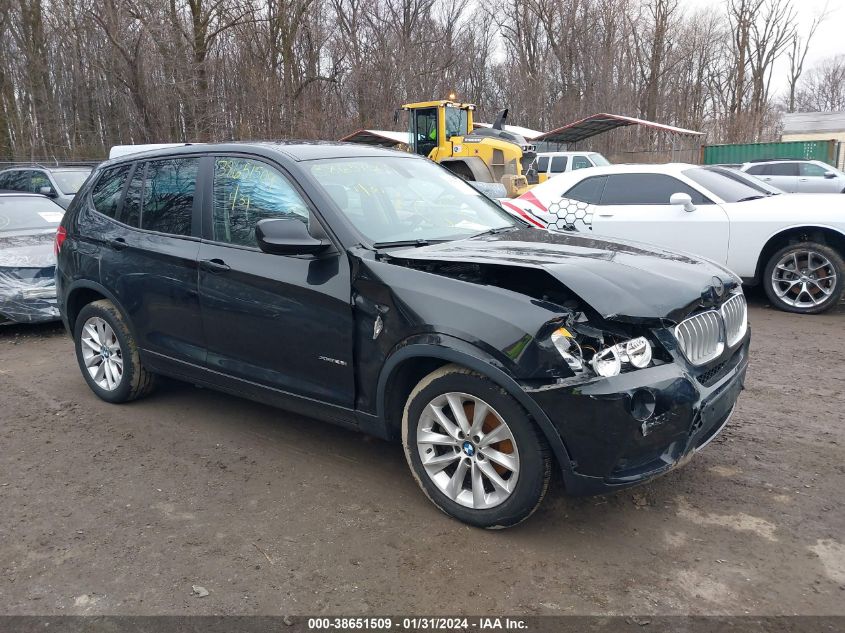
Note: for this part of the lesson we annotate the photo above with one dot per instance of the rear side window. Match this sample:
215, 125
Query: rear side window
247, 191
784, 169
646, 189
558, 164
106, 193
543, 164
16, 180
168, 195
588, 190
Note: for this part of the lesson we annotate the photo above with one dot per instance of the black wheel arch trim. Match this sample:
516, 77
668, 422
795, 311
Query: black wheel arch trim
460, 352
92, 285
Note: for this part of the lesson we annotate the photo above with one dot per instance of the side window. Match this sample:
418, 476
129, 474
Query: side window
131, 213
106, 193
588, 190
558, 164
580, 162
17, 180
758, 170
646, 189
168, 195
784, 169
246, 191
543, 164
37, 180
812, 170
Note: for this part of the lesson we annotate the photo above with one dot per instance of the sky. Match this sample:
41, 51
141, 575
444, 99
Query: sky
828, 41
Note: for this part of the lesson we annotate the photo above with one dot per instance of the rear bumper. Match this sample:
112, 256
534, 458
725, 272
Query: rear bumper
18, 309
611, 449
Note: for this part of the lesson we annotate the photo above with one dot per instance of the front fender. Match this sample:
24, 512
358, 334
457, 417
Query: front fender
454, 350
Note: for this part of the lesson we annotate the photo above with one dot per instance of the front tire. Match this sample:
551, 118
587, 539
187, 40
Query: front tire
474, 450
805, 278
108, 354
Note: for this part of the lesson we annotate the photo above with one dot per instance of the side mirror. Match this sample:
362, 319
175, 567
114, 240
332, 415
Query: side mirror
47, 191
829, 174
287, 236
684, 200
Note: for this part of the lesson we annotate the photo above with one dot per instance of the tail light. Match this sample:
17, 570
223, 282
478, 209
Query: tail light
61, 236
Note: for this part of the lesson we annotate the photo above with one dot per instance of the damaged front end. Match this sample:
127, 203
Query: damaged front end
618, 385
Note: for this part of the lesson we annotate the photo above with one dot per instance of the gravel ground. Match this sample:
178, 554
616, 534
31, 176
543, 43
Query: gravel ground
122, 509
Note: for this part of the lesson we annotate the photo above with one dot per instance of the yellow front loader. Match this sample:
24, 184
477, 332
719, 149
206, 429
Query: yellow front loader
443, 131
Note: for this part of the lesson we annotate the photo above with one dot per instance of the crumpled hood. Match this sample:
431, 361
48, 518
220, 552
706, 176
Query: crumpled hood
617, 279
27, 250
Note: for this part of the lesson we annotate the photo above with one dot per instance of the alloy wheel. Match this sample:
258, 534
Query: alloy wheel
467, 450
102, 354
804, 279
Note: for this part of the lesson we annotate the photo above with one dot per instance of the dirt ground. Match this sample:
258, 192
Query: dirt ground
121, 509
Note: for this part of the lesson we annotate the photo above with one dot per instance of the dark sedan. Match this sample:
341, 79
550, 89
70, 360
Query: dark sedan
376, 290
28, 224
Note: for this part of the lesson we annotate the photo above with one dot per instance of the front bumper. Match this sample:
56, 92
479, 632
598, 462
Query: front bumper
609, 448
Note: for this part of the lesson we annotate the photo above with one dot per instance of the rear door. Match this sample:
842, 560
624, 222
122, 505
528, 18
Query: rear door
783, 175
635, 206
284, 322
149, 254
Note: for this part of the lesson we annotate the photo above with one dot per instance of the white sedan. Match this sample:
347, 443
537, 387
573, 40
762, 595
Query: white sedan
792, 243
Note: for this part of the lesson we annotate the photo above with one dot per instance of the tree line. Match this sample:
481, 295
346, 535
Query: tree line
77, 76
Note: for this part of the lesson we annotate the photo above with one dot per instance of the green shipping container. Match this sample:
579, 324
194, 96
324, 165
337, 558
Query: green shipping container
744, 152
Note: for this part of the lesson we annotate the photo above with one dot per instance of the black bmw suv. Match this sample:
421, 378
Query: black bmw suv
374, 289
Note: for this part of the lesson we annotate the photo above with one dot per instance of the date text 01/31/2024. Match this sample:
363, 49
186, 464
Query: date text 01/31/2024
417, 624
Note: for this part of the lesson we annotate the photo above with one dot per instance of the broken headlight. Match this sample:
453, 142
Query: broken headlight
603, 358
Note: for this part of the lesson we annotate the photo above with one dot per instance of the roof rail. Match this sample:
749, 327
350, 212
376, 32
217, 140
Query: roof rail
6, 164
773, 160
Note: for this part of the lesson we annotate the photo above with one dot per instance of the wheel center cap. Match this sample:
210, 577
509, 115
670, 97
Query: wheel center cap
104, 352
469, 448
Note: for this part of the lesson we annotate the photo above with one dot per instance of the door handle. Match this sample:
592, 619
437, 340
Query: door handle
802, 180
606, 215
214, 265
118, 243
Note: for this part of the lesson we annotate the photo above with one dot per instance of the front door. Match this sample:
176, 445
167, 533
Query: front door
636, 207
284, 322
812, 179
424, 130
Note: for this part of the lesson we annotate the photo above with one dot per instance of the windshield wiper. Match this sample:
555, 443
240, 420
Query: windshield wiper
496, 231
416, 243
750, 198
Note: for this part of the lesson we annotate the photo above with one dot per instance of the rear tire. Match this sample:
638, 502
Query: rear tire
108, 356
489, 467
805, 278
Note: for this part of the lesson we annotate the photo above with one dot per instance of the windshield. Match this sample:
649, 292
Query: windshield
727, 188
599, 160
18, 213
71, 180
396, 199
748, 179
